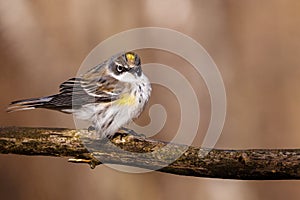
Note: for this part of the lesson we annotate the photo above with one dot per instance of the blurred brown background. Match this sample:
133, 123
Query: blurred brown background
255, 44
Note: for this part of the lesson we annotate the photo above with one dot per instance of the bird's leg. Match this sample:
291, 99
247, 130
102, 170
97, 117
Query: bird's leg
93, 132
91, 128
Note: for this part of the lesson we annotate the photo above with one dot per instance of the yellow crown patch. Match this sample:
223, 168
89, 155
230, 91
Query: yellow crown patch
130, 57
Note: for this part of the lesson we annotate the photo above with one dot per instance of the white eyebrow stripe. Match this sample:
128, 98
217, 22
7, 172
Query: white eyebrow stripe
117, 63
127, 66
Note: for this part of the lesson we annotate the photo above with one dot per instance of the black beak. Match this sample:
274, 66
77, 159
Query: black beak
136, 70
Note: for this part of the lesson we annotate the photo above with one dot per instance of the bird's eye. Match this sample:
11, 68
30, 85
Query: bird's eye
119, 68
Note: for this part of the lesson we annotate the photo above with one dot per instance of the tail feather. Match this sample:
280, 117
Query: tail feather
28, 104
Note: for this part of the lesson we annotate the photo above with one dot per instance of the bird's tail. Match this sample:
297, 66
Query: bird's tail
28, 104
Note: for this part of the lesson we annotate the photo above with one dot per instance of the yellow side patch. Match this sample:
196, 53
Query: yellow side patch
126, 100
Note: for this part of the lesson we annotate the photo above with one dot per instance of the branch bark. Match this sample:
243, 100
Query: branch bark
128, 150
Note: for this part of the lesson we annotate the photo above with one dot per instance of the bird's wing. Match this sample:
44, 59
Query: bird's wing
101, 89
74, 93
95, 86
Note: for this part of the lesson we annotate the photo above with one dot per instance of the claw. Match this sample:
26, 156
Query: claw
91, 128
123, 132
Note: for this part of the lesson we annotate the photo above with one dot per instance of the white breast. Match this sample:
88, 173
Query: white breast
110, 117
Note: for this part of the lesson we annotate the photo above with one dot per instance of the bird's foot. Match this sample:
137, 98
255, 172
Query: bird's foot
91, 128
124, 132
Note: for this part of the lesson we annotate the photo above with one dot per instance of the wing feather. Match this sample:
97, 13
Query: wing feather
94, 86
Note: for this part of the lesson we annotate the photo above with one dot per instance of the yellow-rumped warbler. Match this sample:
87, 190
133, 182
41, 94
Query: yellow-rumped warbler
109, 95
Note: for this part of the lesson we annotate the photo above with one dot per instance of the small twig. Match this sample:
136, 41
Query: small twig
124, 149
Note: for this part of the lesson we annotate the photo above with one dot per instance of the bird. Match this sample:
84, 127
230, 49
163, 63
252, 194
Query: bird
109, 95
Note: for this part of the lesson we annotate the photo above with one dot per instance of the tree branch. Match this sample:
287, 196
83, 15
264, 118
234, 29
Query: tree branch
124, 149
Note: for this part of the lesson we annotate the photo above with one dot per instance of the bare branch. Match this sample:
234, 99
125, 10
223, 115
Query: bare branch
124, 149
